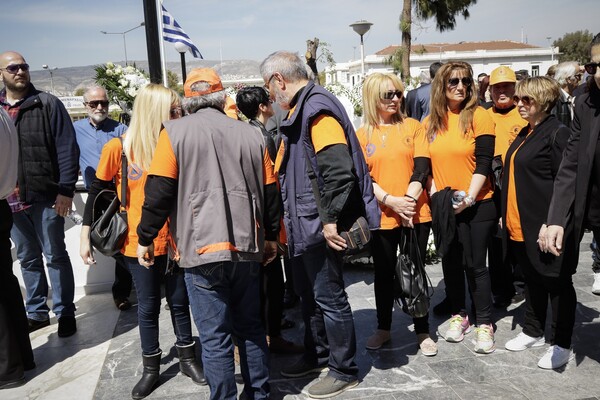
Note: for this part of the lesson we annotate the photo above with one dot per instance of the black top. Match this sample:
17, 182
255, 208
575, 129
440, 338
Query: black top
594, 202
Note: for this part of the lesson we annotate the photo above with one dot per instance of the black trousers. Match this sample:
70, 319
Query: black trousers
121, 288
467, 255
539, 288
271, 296
15, 348
385, 253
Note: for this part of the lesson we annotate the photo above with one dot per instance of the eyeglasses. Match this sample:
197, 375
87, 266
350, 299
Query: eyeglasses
576, 77
175, 112
389, 95
591, 68
94, 103
466, 81
266, 86
526, 100
14, 68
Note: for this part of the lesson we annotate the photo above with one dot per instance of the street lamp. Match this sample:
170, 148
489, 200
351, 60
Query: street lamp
445, 45
123, 34
45, 66
182, 48
361, 27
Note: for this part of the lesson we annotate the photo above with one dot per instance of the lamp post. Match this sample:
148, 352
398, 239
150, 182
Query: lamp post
182, 48
446, 45
123, 34
45, 66
361, 27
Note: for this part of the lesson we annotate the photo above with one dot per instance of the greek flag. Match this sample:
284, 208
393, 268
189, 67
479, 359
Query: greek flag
173, 33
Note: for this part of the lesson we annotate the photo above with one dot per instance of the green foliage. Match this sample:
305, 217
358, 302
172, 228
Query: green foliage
121, 83
395, 60
173, 82
444, 12
574, 46
353, 94
79, 91
326, 56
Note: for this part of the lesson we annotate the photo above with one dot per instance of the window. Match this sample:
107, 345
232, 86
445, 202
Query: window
535, 70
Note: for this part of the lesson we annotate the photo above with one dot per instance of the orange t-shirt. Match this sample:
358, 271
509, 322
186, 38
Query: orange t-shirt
390, 155
109, 167
513, 217
453, 153
508, 127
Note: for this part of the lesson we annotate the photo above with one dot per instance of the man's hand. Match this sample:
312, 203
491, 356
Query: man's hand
85, 249
551, 239
146, 255
62, 205
333, 239
270, 251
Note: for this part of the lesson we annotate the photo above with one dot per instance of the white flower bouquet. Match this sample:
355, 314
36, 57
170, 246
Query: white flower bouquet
121, 83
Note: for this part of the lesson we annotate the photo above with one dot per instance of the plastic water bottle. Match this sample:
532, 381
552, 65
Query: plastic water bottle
458, 196
75, 217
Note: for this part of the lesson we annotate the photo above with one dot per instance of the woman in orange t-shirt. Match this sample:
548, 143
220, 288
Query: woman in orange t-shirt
461, 136
153, 104
397, 154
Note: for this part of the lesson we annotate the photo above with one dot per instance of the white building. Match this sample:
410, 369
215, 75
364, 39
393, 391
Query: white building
483, 57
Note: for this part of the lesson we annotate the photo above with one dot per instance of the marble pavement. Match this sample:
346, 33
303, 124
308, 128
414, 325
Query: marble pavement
102, 361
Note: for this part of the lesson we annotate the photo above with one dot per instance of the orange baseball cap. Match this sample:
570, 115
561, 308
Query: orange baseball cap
207, 75
502, 74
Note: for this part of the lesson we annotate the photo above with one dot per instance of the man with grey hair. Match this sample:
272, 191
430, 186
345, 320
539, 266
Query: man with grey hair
213, 177
417, 100
92, 134
567, 75
324, 184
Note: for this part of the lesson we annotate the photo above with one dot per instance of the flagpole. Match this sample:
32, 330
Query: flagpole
162, 43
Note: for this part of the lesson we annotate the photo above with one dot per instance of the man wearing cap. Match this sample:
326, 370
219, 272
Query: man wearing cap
508, 124
213, 177
324, 182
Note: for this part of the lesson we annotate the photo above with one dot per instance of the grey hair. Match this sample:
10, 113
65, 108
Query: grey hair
215, 100
564, 71
91, 88
289, 65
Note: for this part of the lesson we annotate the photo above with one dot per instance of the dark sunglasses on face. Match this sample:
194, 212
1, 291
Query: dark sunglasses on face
94, 103
14, 68
591, 68
389, 95
526, 100
466, 81
175, 112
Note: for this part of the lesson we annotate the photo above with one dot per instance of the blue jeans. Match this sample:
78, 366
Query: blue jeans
225, 300
147, 288
39, 230
329, 336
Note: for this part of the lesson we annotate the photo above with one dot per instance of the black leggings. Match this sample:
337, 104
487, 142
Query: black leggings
538, 289
467, 254
385, 254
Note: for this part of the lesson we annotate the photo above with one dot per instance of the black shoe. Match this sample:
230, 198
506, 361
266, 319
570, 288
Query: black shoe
188, 365
302, 368
443, 307
34, 324
13, 383
501, 301
123, 304
149, 378
66, 326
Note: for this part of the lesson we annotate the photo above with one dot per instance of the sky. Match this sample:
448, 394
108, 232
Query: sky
63, 33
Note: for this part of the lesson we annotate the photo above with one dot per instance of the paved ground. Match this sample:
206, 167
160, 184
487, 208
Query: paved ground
102, 361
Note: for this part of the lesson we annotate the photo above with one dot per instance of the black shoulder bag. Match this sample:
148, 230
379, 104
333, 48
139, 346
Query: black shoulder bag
412, 286
109, 231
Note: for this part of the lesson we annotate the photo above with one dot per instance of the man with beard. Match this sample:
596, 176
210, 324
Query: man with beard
44, 194
92, 134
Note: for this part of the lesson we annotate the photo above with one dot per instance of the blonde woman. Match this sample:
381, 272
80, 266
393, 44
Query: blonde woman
461, 146
397, 154
153, 105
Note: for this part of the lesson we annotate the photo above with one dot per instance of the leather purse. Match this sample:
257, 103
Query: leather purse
109, 231
358, 239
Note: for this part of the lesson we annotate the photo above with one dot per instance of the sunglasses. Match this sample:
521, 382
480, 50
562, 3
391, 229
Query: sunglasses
389, 95
14, 68
94, 103
175, 112
526, 100
591, 68
466, 81
576, 77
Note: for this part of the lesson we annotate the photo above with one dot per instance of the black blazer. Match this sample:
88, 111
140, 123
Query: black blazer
571, 187
536, 165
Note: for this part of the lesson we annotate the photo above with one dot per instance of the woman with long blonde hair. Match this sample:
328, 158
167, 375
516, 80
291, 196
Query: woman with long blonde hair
397, 153
153, 105
461, 145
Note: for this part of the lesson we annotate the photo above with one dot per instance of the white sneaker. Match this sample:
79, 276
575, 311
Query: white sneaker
555, 357
523, 342
596, 285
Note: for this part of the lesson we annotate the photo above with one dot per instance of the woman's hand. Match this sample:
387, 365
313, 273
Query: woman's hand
85, 249
405, 207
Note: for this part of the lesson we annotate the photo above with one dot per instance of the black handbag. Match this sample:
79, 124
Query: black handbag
412, 286
109, 231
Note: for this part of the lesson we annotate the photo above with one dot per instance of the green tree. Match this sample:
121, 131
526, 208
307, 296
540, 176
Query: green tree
79, 91
574, 46
443, 11
173, 82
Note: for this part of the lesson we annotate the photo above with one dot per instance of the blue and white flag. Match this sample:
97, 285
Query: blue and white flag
173, 33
